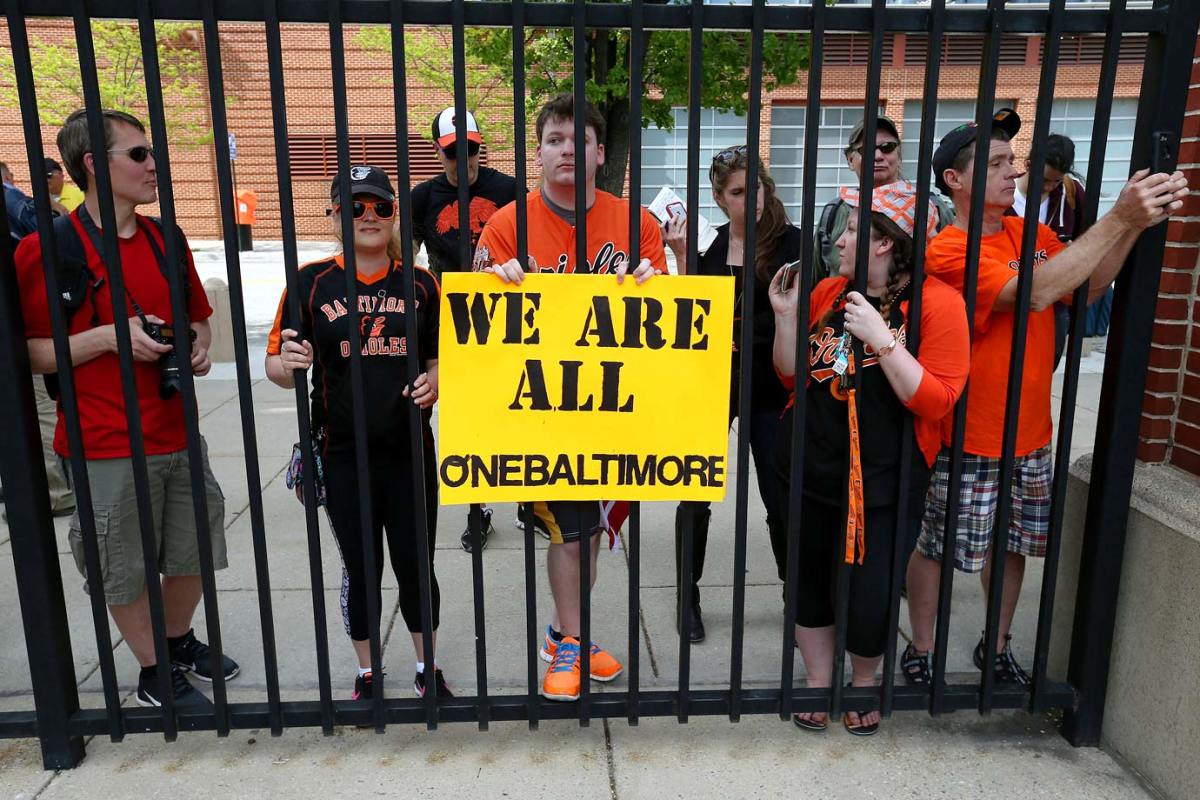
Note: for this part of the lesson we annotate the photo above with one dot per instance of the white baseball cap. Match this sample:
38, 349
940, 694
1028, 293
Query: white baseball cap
444, 129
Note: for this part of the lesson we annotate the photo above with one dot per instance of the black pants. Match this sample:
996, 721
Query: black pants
822, 549
764, 431
392, 497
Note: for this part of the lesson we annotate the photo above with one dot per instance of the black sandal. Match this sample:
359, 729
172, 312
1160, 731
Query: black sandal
811, 724
915, 667
861, 729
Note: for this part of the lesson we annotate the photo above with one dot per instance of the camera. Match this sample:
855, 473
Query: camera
169, 384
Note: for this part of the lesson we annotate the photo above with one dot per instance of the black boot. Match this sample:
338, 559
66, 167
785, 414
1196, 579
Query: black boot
700, 518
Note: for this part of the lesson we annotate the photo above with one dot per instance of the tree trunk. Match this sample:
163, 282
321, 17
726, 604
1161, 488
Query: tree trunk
611, 176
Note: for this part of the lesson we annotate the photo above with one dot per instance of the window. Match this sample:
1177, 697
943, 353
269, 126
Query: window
1074, 118
787, 152
665, 155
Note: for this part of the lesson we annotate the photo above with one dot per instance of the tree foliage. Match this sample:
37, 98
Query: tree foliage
663, 83
121, 74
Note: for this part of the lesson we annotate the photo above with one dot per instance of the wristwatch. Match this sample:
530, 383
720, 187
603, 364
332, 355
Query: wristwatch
887, 349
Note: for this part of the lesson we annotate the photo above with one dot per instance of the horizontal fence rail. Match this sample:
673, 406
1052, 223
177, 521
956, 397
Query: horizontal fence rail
59, 721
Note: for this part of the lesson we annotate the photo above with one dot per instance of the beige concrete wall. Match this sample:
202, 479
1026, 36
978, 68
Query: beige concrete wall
1152, 716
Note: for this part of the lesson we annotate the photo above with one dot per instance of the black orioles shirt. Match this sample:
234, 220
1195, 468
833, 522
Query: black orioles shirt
880, 419
435, 214
380, 317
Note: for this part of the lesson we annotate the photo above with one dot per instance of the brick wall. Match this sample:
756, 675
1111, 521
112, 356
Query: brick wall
1170, 426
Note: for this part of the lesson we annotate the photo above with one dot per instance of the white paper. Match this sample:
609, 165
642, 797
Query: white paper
667, 203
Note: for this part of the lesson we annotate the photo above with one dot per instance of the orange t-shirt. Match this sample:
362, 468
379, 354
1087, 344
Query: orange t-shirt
552, 238
999, 258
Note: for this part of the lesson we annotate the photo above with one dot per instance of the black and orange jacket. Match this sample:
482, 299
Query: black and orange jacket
380, 316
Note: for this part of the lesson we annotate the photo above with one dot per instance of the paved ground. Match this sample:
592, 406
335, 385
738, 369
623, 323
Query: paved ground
960, 756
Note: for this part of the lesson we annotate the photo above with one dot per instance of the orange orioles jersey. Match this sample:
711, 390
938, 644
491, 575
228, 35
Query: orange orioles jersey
552, 239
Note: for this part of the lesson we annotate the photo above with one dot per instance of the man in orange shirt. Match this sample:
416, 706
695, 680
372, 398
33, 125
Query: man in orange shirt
551, 232
1096, 257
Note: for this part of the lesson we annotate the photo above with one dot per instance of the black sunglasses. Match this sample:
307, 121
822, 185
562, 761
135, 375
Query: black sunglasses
452, 151
887, 148
384, 209
729, 155
136, 154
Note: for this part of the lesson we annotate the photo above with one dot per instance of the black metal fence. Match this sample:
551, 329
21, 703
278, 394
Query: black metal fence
58, 720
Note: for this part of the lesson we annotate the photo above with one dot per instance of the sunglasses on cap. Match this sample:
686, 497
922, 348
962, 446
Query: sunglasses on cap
136, 154
887, 148
384, 209
452, 151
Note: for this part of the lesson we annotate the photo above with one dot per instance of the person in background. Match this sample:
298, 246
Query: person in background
777, 242
436, 217
64, 197
22, 216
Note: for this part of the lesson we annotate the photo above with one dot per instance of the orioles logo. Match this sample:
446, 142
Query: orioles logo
376, 326
479, 212
823, 351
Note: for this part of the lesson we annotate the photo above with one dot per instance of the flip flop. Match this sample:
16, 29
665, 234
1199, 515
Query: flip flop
861, 729
811, 724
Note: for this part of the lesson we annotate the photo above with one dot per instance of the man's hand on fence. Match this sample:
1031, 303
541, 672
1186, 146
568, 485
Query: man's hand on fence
1146, 200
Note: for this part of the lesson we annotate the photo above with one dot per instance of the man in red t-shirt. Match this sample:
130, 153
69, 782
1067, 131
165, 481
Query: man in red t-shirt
551, 233
101, 405
1096, 258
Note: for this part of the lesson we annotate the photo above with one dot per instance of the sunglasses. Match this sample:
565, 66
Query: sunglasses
887, 148
729, 155
452, 151
136, 154
384, 209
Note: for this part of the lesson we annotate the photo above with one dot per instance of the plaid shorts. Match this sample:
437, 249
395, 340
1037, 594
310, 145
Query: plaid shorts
1027, 528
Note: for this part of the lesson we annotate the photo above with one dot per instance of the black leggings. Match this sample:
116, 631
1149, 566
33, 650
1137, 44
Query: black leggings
391, 510
822, 547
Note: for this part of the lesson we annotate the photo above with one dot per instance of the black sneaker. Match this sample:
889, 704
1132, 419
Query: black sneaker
364, 687
486, 530
1006, 670
915, 667
194, 656
538, 526
186, 695
443, 690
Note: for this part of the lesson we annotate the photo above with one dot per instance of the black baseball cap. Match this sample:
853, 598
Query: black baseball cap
1005, 119
365, 179
50, 166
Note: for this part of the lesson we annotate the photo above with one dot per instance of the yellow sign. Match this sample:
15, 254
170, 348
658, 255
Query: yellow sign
572, 387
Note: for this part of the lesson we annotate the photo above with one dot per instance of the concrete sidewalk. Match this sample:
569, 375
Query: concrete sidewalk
961, 756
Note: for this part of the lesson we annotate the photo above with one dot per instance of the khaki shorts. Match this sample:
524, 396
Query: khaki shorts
118, 532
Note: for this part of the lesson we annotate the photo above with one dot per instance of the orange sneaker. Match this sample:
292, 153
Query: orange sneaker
562, 679
602, 665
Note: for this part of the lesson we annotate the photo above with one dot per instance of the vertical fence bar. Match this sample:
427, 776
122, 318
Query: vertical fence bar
287, 222
181, 322
1163, 99
474, 517
933, 65
337, 57
580, 50
695, 61
137, 446
812, 125
746, 346
637, 53
35, 556
69, 403
416, 432
986, 98
237, 307
1012, 405
866, 185
525, 510
1066, 416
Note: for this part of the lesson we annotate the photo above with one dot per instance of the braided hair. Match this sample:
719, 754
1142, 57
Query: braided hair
901, 267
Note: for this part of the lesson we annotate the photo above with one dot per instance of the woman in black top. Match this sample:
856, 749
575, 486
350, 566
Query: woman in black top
777, 242
320, 339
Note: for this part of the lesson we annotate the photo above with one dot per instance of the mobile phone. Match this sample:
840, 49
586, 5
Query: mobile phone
790, 272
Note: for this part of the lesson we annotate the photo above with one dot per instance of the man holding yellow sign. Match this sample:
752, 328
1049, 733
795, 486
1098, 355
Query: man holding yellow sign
587, 372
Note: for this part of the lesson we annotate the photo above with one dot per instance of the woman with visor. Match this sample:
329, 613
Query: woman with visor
852, 438
776, 242
320, 339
